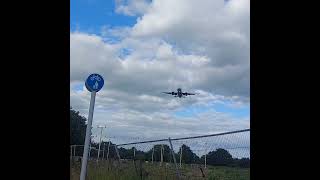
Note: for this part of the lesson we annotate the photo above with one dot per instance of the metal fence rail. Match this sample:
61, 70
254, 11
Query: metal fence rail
193, 137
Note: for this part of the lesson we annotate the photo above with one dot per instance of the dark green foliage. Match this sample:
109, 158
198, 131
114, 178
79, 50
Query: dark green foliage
243, 163
187, 155
219, 157
167, 157
104, 146
77, 128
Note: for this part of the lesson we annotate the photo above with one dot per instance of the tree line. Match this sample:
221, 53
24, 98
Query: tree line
218, 157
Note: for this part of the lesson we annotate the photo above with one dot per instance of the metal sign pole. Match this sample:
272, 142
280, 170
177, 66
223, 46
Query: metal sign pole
93, 84
87, 140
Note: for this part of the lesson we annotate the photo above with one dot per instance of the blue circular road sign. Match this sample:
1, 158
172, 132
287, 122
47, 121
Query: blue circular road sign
94, 82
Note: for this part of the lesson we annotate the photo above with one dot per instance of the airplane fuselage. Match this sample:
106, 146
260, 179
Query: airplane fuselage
179, 92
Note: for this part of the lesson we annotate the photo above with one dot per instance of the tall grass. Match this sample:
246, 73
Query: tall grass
129, 170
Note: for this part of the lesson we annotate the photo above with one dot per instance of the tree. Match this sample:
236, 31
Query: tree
243, 162
112, 150
77, 128
220, 157
187, 155
167, 157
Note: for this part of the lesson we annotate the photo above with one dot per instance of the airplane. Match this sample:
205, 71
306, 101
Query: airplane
179, 93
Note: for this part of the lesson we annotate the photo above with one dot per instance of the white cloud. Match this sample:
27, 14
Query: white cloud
200, 46
132, 7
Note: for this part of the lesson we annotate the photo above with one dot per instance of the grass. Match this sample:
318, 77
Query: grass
228, 173
128, 170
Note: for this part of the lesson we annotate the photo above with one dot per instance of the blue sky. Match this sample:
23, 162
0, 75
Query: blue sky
91, 15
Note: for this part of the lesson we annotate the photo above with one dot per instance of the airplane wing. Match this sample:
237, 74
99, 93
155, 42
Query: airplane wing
186, 94
172, 93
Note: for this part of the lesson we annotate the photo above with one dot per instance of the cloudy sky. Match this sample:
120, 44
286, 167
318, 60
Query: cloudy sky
145, 47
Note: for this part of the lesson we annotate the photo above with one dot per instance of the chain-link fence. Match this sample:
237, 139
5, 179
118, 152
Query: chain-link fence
215, 156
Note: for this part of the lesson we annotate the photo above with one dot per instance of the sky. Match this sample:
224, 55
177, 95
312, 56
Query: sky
145, 47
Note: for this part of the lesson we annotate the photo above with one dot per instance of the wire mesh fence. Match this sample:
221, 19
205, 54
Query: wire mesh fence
216, 156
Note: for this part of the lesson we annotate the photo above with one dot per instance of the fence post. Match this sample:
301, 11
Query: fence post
134, 155
205, 161
180, 155
205, 157
174, 159
161, 151
115, 146
152, 154
134, 152
104, 149
108, 151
